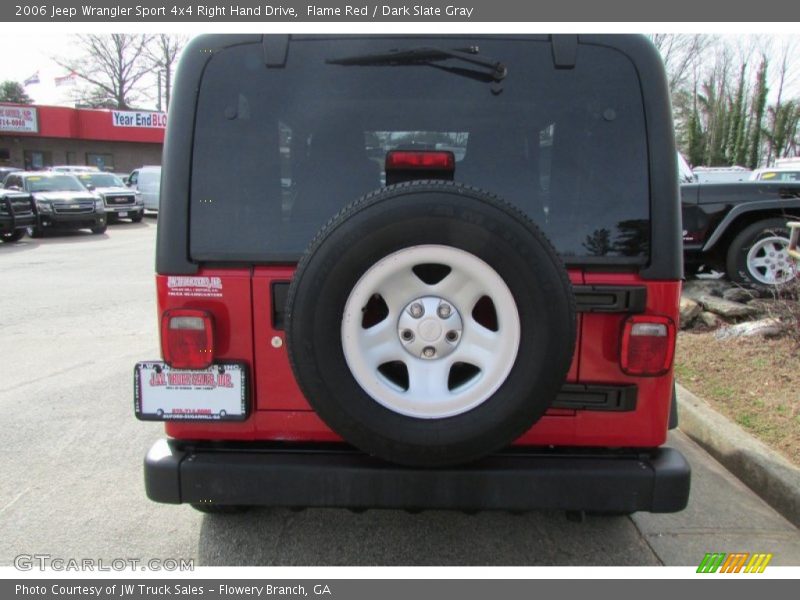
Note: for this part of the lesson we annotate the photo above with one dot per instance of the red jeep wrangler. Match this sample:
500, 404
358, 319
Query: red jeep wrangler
417, 272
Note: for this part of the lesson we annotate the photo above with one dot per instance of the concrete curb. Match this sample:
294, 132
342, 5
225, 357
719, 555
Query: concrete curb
764, 471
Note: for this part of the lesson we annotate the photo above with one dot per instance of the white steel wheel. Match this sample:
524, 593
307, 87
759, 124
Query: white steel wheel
768, 261
430, 346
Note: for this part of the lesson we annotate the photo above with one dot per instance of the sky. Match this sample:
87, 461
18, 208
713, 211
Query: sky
32, 53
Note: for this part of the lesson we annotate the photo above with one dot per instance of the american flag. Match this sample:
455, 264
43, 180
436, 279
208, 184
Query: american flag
70, 79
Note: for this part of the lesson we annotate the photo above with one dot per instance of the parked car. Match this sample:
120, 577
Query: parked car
740, 229
147, 183
62, 202
74, 169
685, 173
721, 174
17, 213
491, 328
4, 171
776, 174
120, 202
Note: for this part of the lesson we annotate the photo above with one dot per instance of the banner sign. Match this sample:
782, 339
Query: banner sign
19, 119
136, 118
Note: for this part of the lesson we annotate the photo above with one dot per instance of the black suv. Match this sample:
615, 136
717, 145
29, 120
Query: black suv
441, 271
62, 202
17, 213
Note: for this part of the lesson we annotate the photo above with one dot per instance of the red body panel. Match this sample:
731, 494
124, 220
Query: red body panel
242, 305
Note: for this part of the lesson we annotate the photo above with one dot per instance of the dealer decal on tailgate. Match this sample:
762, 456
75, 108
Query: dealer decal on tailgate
217, 393
194, 287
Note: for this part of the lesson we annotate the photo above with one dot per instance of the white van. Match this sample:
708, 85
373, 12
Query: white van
147, 183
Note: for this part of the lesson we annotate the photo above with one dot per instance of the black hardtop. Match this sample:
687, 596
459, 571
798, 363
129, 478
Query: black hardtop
665, 258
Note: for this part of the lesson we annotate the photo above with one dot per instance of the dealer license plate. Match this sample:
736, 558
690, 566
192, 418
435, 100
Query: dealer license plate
164, 394
122, 214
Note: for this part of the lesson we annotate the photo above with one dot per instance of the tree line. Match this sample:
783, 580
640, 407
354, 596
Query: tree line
735, 99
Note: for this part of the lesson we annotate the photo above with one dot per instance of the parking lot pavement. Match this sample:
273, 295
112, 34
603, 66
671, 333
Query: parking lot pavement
77, 311
723, 515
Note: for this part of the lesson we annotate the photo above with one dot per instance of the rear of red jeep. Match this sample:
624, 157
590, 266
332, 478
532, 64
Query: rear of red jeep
417, 272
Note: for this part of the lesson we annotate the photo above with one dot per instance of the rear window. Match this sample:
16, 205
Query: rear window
278, 151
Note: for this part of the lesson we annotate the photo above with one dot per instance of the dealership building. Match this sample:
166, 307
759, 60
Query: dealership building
37, 137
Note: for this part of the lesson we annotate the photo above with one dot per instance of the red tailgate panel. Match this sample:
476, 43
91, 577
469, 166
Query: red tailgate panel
599, 363
281, 412
278, 389
225, 293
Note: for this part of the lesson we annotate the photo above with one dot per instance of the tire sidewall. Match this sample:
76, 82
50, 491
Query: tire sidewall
469, 222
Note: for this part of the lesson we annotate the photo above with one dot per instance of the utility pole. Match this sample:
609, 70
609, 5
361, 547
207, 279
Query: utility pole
158, 78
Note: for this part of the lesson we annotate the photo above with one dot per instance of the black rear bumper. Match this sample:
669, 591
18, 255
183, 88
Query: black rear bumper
655, 480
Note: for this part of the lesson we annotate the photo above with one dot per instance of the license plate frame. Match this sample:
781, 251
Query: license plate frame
218, 393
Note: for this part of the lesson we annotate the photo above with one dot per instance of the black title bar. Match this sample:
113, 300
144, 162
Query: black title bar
536, 11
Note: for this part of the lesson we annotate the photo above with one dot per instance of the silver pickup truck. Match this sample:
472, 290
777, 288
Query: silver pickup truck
120, 202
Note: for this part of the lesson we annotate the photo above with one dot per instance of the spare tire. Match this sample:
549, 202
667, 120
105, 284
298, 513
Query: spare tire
430, 323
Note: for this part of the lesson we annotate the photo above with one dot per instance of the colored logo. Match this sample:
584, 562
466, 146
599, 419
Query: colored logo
737, 562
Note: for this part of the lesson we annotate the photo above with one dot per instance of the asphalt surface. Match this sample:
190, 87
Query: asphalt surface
77, 311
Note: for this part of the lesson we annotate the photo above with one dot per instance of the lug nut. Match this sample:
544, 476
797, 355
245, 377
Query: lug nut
416, 310
443, 311
407, 335
451, 336
428, 352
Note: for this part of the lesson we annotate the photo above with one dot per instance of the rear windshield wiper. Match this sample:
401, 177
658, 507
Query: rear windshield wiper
423, 55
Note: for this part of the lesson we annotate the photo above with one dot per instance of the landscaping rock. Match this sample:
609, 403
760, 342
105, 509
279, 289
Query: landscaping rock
724, 308
689, 310
694, 288
738, 294
763, 327
762, 307
709, 319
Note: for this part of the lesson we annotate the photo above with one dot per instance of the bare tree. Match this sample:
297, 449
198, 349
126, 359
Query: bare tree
164, 50
680, 52
782, 116
113, 66
729, 107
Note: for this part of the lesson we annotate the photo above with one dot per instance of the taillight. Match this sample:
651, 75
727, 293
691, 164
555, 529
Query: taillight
409, 165
648, 345
438, 160
187, 338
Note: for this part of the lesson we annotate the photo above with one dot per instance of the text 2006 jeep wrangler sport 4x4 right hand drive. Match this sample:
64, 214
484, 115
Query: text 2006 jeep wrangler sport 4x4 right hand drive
442, 272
